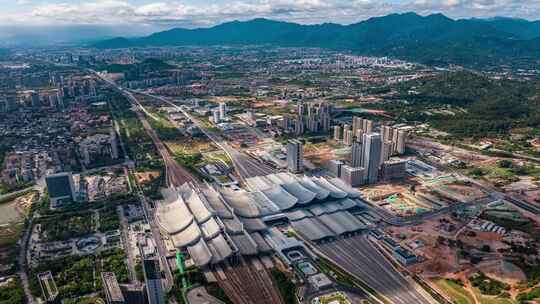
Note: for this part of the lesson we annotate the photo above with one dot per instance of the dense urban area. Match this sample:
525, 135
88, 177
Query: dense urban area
261, 174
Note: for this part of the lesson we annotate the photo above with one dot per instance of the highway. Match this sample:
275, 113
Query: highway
360, 258
22, 262
244, 165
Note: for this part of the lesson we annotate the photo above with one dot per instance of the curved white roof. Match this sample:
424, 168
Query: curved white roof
233, 226
253, 224
242, 202
200, 253
259, 183
216, 203
187, 237
280, 197
351, 220
352, 193
198, 208
334, 191
172, 215
298, 215
318, 209
348, 204
245, 245
303, 195
265, 205
291, 185
341, 222
220, 249
274, 178
262, 245
210, 229
307, 183
312, 229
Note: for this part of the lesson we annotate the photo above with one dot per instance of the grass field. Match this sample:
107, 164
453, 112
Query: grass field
491, 300
462, 296
190, 146
454, 291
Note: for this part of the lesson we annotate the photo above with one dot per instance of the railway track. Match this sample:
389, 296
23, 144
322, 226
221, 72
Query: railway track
245, 284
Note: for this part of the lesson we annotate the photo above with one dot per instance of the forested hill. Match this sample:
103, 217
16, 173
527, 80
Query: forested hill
491, 106
433, 39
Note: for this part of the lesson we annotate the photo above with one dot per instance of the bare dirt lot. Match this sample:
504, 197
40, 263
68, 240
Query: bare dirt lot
145, 177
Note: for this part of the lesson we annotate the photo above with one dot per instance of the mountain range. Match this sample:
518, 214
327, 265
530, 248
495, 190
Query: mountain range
432, 39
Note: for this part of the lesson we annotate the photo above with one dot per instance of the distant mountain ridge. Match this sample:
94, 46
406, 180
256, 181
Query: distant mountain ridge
429, 39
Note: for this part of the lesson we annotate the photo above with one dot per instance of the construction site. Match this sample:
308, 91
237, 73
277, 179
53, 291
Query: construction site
415, 196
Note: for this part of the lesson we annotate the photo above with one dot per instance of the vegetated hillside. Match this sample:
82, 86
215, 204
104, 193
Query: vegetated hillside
433, 39
492, 106
522, 28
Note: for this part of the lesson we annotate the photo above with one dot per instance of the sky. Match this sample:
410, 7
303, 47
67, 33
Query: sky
160, 14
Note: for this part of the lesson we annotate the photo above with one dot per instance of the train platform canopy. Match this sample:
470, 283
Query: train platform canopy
211, 225
200, 253
242, 202
287, 191
312, 229
172, 213
217, 204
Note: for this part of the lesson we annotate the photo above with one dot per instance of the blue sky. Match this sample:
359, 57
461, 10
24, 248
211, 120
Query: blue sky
197, 13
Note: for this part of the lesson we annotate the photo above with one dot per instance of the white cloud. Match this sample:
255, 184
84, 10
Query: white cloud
176, 12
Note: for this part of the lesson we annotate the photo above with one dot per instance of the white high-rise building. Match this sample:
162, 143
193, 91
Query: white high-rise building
386, 151
216, 117
299, 125
295, 156
353, 176
400, 142
372, 156
359, 135
355, 124
367, 126
337, 133
356, 155
222, 111
348, 137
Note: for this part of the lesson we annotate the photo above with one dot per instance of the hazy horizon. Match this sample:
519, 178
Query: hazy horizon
163, 14
74, 21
